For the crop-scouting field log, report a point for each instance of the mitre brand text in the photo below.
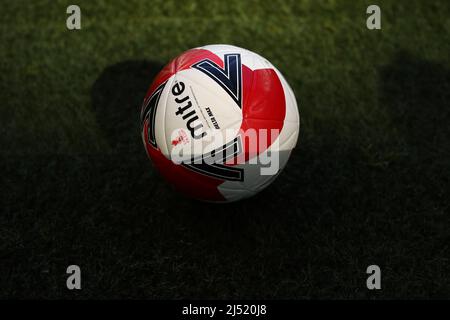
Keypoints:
(187, 112)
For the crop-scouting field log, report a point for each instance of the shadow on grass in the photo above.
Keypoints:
(417, 94)
(312, 233)
(117, 96)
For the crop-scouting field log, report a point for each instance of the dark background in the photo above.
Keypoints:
(367, 184)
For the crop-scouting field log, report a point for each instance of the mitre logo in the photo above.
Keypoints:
(187, 111)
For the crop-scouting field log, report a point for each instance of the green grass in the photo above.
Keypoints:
(367, 184)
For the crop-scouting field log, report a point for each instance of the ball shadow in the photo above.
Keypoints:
(117, 95)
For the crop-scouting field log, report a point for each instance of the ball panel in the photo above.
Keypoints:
(182, 62)
(254, 181)
(212, 109)
(264, 108)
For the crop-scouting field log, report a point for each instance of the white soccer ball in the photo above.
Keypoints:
(220, 122)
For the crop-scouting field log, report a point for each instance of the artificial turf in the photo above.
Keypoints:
(367, 184)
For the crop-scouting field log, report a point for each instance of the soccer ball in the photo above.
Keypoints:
(219, 123)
